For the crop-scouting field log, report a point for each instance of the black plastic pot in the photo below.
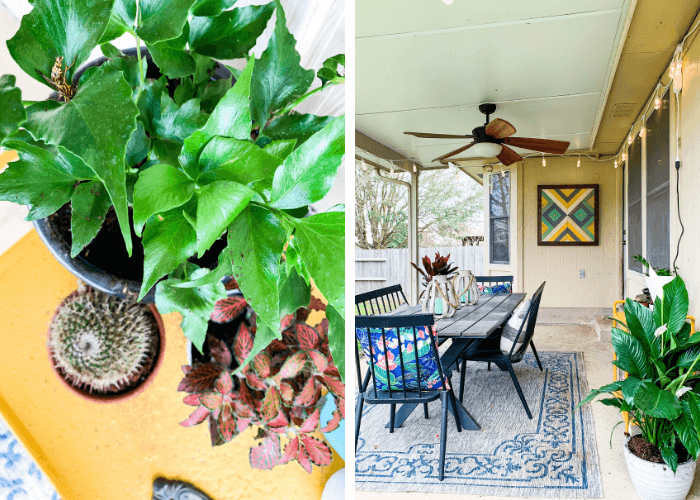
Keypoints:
(60, 249)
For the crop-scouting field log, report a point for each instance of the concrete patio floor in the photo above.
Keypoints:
(559, 336)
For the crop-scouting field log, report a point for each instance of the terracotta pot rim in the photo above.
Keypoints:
(131, 393)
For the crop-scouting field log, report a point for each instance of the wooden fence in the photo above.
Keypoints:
(379, 268)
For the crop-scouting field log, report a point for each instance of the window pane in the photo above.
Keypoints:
(658, 193)
(500, 253)
(500, 195)
(634, 203)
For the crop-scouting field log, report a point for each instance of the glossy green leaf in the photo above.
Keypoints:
(278, 77)
(320, 240)
(640, 323)
(160, 19)
(670, 457)
(211, 93)
(41, 178)
(693, 401)
(255, 242)
(281, 149)
(211, 7)
(606, 389)
(336, 338)
(308, 173)
(296, 126)
(230, 118)
(195, 304)
(219, 203)
(630, 354)
(654, 402)
(225, 158)
(231, 34)
(12, 113)
(263, 337)
(223, 269)
(331, 69)
(109, 50)
(56, 28)
(177, 124)
(675, 304)
(138, 146)
(90, 203)
(171, 56)
(629, 388)
(159, 189)
(95, 129)
(685, 428)
(294, 291)
(294, 261)
(168, 240)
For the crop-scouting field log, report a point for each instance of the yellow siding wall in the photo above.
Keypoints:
(559, 266)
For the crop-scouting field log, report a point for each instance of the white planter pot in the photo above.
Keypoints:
(657, 481)
(439, 289)
(335, 487)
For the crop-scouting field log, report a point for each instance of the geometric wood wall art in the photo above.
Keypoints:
(568, 215)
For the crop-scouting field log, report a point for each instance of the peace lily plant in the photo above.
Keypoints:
(194, 160)
(662, 359)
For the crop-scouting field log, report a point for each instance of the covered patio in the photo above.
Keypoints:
(618, 82)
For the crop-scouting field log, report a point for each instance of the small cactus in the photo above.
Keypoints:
(100, 343)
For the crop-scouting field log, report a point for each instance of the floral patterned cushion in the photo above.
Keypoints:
(504, 288)
(429, 372)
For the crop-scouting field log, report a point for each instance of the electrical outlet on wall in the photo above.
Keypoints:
(582, 274)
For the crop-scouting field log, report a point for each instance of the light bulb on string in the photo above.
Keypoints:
(629, 139)
(672, 69)
(447, 2)
(415, 169)
(624, 156)
(642, 131)
(615, 162)
(544, 162)
(657, 103)
(364, 164)
(578, 163)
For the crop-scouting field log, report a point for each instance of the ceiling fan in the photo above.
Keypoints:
(493, 139)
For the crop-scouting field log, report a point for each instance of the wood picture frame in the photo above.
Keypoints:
(568, 215)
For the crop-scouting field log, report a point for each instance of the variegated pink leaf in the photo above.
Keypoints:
(307, 337)
(318, 451)
(279, 423)
(211, 400)
(216, 439)
(227, 425)
(186, 369)
(200, 378)
(311, 422)
(228, 309)
(332, 423)
(319, 360)
(243, 344)
(287, 392)
(261, 364)
(270, 404)
(303, 459)
(287, 321)
(243, 424)
(220, 351)
(255, 382)
(293, 365)
(340, 404)
(196, 417)
(265, 455)
(290, 451)
(335, 385)
(306, 396)
(224, 384)
(191, 400)
(242, 410)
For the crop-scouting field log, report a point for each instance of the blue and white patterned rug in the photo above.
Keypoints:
(552, 455)
(20, 477)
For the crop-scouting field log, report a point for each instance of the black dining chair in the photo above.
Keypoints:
(489, 349)
(494, 280)
(407, 343)
(380, 301)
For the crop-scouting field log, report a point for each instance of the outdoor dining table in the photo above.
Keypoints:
(469, 324)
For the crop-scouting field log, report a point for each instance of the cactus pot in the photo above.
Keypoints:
(104, 263)
(657, 481)
(146, 378)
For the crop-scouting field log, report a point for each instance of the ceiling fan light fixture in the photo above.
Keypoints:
(486, 149)
(447, 2)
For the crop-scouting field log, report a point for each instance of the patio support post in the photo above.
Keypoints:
(413, 243)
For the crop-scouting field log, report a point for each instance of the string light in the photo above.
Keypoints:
(642, 131)
(447, 2)
(672, 69)
(544, 162)
(503, 172)
(415, 169)
(615, 162)
(364, 165)
(629, 139)
(624, 156)
(578, 163)
(657, 103)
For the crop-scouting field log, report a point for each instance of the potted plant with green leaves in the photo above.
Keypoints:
(161, 171)
(661, 393)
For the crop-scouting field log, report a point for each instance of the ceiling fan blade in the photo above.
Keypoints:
(541, 145)
(456, 151)
(499, 129)
(439, 136)
(508, 156)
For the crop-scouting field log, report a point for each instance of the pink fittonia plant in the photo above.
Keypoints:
(279, 391)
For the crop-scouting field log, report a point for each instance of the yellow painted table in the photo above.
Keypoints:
(114, 451)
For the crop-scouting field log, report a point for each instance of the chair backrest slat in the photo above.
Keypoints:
(379, 301)
(530, 320)
(403, 371)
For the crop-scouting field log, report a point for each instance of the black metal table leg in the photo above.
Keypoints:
(467, 421)
(402, 414)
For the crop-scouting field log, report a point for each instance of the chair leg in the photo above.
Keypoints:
(425, 410)
(462, 377)
(454, 405)
(534, 351)
(392, 417)
(358, 418)
(443, 434)
(489, 367)
(520, 391)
